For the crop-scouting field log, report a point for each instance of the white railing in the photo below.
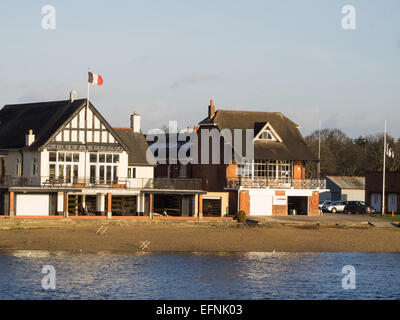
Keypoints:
(264, 182)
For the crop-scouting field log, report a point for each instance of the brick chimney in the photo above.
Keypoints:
(29, 138)
(211, 109)
(135, 122)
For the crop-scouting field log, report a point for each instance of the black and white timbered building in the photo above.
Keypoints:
(63, 157)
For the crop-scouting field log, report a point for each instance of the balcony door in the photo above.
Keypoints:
(68, 173)
(92, 174)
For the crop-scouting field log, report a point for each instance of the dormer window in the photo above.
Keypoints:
(266, 133)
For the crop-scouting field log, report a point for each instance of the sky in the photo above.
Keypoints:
(167, 59)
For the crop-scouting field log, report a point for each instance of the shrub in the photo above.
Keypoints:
(240, 216)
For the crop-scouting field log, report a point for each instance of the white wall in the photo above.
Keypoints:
(32, 204)
(353, 195)
(144, 171)
(261, 205)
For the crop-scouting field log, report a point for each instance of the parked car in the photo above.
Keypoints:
(335, 206)
(323, 203)
(358, 207)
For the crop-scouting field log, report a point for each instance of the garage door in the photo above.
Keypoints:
(392, 203)
(32, 205)
(260, 205)
(376, 201)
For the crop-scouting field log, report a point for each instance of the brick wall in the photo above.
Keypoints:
(245, 201)
(231, 170)
(313, 202)
(279, 210)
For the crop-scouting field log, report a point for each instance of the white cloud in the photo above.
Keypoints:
(195, 78)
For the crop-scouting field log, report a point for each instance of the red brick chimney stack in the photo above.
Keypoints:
(211, 109)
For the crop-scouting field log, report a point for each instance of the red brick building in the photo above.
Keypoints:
(274, 182)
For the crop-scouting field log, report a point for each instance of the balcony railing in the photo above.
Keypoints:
(264, 182)
(177, 184)
(78, 182)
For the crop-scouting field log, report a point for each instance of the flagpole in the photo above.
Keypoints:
(88, 86)
(384, 170)
(319, 150)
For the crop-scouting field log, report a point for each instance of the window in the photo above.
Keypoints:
(18, 169)
(52, 156)
(131, 172)
(92, 174)
(52, 171)
(267, 135)
(104, 168)
(61, 171)
(61, 156)
(274, 170)
(63, 165)
(75, 172)
(101, 175)
(34, 167)
(93, 157)
(115, 175)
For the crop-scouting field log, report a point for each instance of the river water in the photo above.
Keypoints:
(200, 276)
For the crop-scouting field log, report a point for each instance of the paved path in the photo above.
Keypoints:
(327, 218)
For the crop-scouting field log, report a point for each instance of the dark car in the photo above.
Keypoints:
(358, 207)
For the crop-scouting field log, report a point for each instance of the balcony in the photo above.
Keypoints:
(79, 183)
(177, 184)
(264, 182)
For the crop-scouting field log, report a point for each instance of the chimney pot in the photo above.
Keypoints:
(135, 122)
(29, 138)
(73, 95)
(211, 109)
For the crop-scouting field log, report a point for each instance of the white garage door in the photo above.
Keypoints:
(32, 205)
(260, 205)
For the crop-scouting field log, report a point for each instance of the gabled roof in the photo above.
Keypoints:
(137, 146)
(44, 118)
(292, 147)
(347, 182)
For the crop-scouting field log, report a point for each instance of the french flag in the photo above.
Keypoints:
(95, 79)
